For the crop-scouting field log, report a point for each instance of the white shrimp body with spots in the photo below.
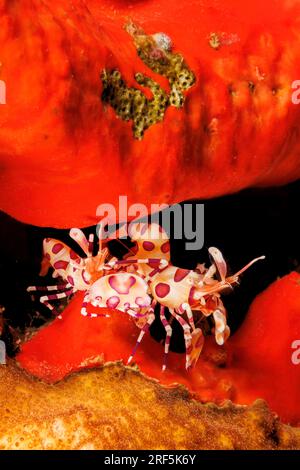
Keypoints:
(151, 242)
(66, 264)
(173, 286)
(123, 291)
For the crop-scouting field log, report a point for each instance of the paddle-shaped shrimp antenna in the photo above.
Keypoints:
(219, 262)
(79, 237)
(234, 277)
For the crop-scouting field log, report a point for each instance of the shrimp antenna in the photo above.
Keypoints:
(248, 266)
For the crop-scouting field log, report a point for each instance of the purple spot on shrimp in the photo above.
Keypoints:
(113, 301)
(60, 264)
(57, 248)
(192, 301)
(73, 255)
(84, 277)
(165, 248)
(162, 289)
(180, 274)
(121, 284)
(148, 246)
(70, 280)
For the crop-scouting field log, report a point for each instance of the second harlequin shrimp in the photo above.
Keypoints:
(182, 291)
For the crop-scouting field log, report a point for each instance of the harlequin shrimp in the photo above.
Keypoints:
(136, 283)
(182, 291)
(126, 288)
(77, 273)
(126, 292)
